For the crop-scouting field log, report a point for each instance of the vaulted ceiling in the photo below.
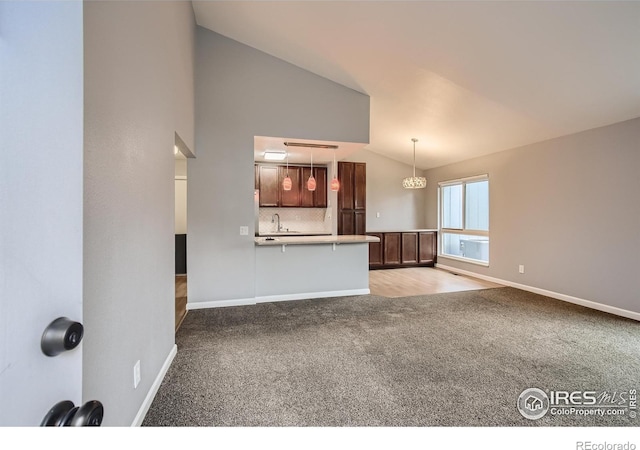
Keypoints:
(464, 78)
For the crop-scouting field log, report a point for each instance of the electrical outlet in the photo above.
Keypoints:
(244, 231)
(377, 214)
(136, 374)
(521, 268)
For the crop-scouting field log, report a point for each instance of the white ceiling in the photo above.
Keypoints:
(465, 78)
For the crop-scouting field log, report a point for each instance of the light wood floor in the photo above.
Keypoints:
(391, 283)
(406, 282)
(181, 299)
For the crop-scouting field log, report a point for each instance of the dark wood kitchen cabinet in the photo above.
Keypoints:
(345, 194)
(317, 198)
(376, 253)
(268, 180)
(269, 185)
(320, 194)
(427, 246)
(346, 222)
(403, 249)
(392, 249)
(409, 248)
(352, 222)
(359, 186)
(290, 198)
(360, 219)
(352, 215)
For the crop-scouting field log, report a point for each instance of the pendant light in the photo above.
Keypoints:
(286, 183)
(311, 182)
(335, 184)
(414, 182)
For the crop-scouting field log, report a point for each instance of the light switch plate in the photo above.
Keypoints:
(244, 231)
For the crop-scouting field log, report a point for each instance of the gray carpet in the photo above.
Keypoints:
(455, 359)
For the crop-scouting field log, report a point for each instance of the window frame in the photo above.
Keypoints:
(461, 231)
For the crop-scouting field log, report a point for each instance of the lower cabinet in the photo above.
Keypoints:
(392, 249)
(427, 248)
(409, 248)
(376, 252)
(352, 222)
(403, 249)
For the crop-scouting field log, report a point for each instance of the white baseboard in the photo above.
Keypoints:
(308, 295)
(221, 303)
(275, 298)
(567, 298)
(144, 408)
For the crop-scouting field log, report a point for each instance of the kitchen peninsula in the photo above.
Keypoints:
(299, 267)
(310, 240)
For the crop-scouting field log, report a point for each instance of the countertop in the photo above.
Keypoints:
(305, 240)
(293, 233)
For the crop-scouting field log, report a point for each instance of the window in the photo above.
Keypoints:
(464, 219)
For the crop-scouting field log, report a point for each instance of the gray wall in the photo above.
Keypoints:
(138, 93)
(399, 208)
(311, 271)
(567, 209)
(242, 93)
(40, 203)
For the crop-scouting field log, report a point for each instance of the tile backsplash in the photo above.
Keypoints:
(303, 220)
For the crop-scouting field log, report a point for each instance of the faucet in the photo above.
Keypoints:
(273, 218)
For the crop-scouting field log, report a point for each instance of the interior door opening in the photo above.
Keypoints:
(181, 154)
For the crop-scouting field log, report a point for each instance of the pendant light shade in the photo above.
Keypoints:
(414, 182)
(286, 183)
(311, 182)
(335, 184)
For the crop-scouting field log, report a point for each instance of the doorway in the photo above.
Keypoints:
(181, 154)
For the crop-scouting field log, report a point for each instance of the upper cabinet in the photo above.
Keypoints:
(317, 198)
(269, 185)
(269, 179)
(290, 198)
(359, 186)
(352, 197)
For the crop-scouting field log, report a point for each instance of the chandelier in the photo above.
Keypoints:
(414, 182)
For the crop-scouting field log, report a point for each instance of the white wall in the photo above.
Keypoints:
(242, 93)
(399, 208)
(138, 94)
(567, 209)
(40, 203)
